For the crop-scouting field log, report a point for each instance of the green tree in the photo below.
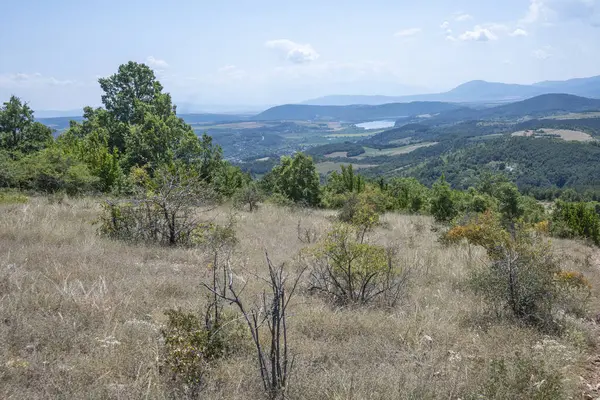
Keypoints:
(443, 205)
(295, 178)
(133, 83)
(408, 194)
(510, 206)
(345, 182)
(18, 129)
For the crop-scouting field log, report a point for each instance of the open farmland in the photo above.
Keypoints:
(565, 134)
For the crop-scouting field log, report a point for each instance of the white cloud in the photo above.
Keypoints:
(478, 34)
(232, 72)
(293, 52)
(463, 17)
(408, 32)
(556, 11)
(445, 25)
(535, 11)
(21, 80)
(157, 62)
(451, 38)
(543, 53)
(519, 32)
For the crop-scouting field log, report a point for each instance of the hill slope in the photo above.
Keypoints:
(353, 113)
(543, 105)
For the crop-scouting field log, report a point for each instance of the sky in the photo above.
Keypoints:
(243, 53)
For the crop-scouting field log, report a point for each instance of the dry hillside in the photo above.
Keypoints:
(81, 316)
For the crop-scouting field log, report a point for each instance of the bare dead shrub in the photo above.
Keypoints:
(165, 211)
(274, 362)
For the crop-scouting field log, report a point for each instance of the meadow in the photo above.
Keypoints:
(81, 315)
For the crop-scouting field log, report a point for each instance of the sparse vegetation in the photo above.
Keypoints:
(366, 301)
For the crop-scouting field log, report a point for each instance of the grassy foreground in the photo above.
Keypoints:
(81, 316)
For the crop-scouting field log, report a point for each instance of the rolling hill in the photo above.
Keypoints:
(538, 106)
(478, 91)
(353, 113)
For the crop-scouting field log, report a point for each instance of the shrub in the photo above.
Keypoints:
(280, 200)
(250, 195)
(576, 220)
(443, 205)
(349, 271)
(191, 345)
(520, 378)
(165, 211)
(523, 275)
(13, 198)
(267, 324)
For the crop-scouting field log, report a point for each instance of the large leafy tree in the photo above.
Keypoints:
(443, 203)
(296, 178)
(18, 129)
(138, 127)
(133, 83)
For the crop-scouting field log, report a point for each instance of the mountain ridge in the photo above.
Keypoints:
(476, 91)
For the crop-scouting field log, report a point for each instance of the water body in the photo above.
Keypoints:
(386, 123)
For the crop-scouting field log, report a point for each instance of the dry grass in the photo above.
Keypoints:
(81, 315)
(329, 166)
(565, 134)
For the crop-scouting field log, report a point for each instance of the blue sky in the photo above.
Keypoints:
(266, 52)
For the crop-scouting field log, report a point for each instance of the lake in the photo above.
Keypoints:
(377, 124)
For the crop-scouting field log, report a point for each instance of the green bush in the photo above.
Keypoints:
(523, 274)
(576, 220)
(349, 271)
(12, 198)
(191, 346)
(248, 196)
(520, 378)
(443, 205)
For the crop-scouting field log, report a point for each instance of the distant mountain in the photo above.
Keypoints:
(586, 87)
(210, 118)
(478, 92)
(353, 113)
(58, 113)
(345, 100)
(61, 123)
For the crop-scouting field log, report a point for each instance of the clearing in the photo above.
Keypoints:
(329, 166)
(564, 134)
(393, 151)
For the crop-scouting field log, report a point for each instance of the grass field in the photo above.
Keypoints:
(329, 166)
(352, 135)
(394, 151)
(575, 115)
(81, 316)
(234, 125)
(563, 133)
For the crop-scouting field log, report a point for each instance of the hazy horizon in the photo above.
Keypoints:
(244, 55)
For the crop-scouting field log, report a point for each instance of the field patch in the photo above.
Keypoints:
(337, 154)
(564, 134)
(329, 166)
(394, 151)
(352, 135)
(233, 125)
